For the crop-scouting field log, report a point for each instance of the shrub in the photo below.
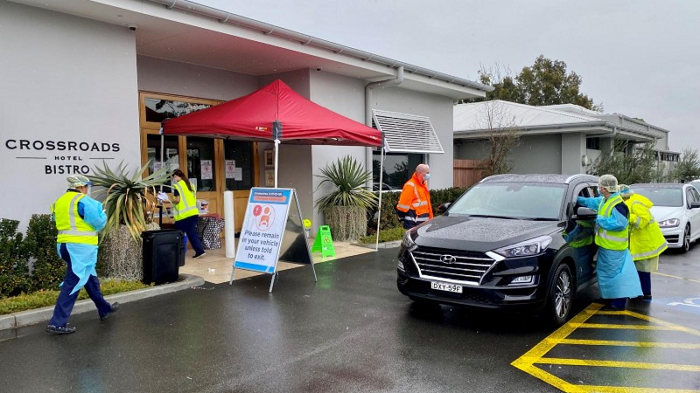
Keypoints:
(14, 273)
(389, 218)
(48, 269)
(345, 207)
(39, 299)
(388, 235)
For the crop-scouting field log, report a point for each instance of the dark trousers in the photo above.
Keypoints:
(618, 303)
(189, 226)
(645, 280)
(66, 301)
(408, 224)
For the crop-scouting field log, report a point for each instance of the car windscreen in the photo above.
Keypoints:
(659, 196)
(512, 200)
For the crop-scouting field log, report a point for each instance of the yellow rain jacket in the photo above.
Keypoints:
(646, 239)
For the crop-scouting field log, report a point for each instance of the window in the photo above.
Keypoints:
(170, 155)
(239, 165)
(512, 200)
(690, 198)
(158, 110)
(398, 168)
(659, 196)
(200, 163)
(593, 143)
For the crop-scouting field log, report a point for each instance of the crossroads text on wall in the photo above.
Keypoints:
(61, 157)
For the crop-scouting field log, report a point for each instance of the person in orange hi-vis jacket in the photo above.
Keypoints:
(414, 206)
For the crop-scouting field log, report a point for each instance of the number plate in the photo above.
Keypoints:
(441, 286)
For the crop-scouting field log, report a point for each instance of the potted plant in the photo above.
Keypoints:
(345, 207)
(129, 202)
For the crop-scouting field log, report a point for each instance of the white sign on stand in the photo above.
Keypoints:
(267, 229)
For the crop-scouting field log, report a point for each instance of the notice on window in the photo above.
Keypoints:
(238, 174)
(207, 169)
(157, 165)
(263, 229)
(230, 169)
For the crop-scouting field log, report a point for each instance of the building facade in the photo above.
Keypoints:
(87, 83)
(557, 139)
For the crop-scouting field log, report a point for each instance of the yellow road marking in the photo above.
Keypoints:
(626, 389)
(616, 326)
(664, 323)
(643, 344)
(526, 364)
(534, 356)
(676, 277)
(619, 364)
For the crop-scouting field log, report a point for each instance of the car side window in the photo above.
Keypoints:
(594, 191)
(689, 197)
(696, 196)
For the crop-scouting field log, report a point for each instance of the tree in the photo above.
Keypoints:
(629, 163)
(502, 135)
(546, 82)
(688, 168)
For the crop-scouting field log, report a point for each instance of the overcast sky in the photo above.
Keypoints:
(639, 58)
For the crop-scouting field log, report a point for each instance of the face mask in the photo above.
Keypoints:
(427, 176)
(89, 190)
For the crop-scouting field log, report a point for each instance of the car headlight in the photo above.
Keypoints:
(670, 223)
(526, 248)
(408, 242)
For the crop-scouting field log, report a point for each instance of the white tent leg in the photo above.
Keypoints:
(277, 156)
(379, 210)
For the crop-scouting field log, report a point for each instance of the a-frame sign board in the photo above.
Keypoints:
(273, 229)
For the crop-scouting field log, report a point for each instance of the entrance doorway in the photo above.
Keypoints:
(213, 165)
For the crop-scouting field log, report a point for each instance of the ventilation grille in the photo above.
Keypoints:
(404, 133)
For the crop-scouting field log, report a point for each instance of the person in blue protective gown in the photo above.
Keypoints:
(616, 272)
(78, 220)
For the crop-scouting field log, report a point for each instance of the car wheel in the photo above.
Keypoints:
(561, 295)
(686, 239)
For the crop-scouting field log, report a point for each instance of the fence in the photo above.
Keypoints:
(467, 172)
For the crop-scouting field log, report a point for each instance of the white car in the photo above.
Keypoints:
(676, 209)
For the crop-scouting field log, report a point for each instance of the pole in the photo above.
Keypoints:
(162, 148)
(381, 179)
(277, 136)
(277, 152)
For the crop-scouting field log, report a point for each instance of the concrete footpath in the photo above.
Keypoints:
(11, 322)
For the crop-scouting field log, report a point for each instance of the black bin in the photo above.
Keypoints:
(163, 252)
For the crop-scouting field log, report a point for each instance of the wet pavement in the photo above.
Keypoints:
(353, 331)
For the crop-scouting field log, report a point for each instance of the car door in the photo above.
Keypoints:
(693, 214)
(584, 254)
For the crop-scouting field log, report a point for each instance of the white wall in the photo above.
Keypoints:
(345, 96)
(171, 77)
(64, 79)
(534, 154)
(573, 148)
(440, 111)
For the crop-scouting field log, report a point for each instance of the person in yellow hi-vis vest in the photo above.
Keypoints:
(646, 240)
(185, 209)
(615, 269)
(78, 220)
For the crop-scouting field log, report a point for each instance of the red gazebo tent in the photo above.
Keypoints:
(275, 113)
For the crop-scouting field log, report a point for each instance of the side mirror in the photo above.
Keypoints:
(695, 205)
(443, 207)
(584, 213)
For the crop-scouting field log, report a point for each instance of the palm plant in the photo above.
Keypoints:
(349, 179)
(128, 199)
(345, 208)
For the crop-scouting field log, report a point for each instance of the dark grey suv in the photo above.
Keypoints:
(501, 246)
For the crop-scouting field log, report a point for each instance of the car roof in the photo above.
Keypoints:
(540, 178)
(659, 185)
